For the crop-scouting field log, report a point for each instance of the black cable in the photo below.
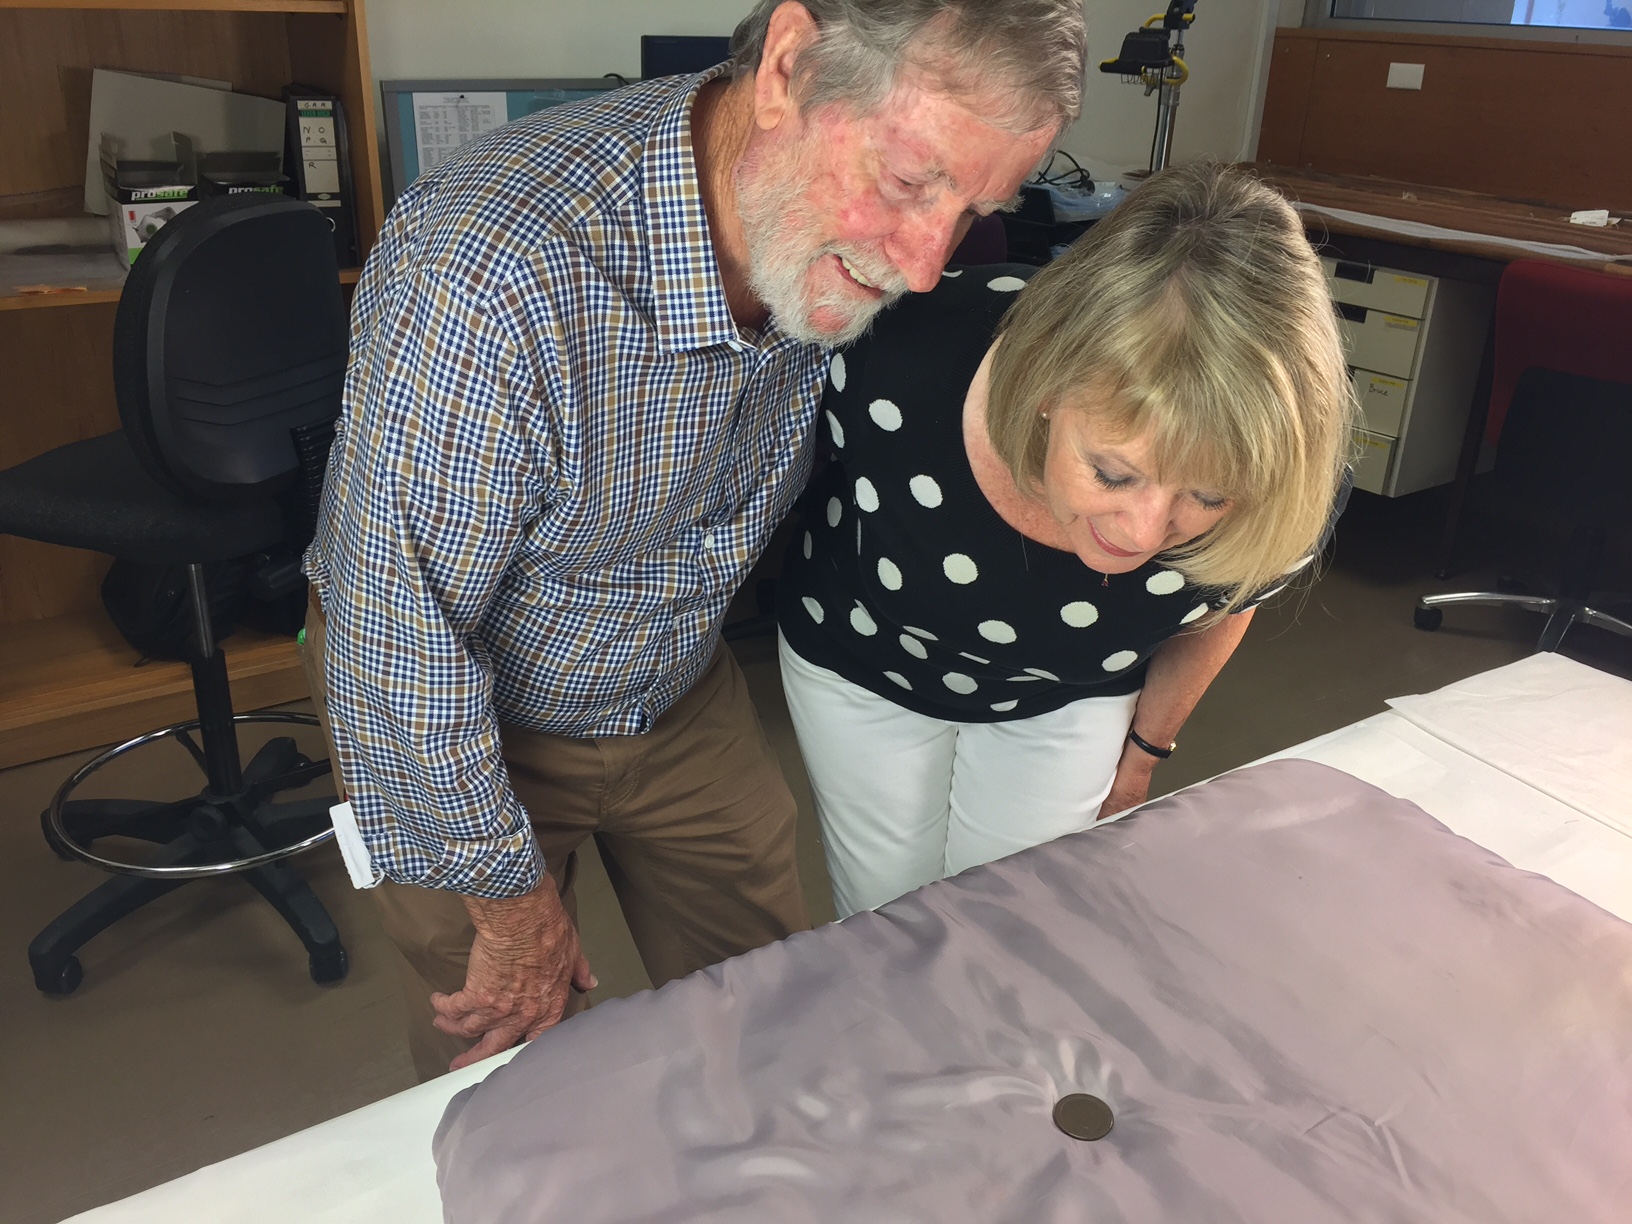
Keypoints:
(1076, 177)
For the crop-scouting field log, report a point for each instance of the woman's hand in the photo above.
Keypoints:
(1131, 785)
(1180, 671)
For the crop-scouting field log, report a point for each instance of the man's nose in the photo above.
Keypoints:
(923, 243)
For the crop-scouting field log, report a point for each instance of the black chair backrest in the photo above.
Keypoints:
(230, 345)
(1565, 454)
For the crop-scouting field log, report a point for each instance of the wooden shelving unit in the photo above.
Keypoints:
(184, 6)
(67, 680)
(72, 682)
(67, 294)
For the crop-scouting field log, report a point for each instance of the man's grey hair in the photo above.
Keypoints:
(1028, 53)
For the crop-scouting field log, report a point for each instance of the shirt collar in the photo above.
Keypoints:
(688, 295)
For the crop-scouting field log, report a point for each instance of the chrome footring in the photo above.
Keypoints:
(200, 871)
(1490, 599)
(1604, 620)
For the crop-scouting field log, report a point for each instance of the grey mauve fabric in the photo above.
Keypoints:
(1304, 1000)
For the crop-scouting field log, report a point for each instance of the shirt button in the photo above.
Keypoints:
(708, 540)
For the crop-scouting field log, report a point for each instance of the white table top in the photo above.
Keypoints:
(1532, 761)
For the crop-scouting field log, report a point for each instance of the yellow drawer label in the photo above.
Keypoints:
(1419, 281)
(1400, 323)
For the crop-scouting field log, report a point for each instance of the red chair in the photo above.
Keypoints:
(1561, 421)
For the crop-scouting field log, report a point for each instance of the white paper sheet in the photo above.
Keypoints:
(1528, 828)
(1552, 723)
(445, 122)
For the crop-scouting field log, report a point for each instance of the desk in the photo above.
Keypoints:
(1303, 1000)
(1486, 227)
(1498, 758)
(1449, 233)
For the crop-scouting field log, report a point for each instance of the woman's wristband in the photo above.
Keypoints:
(1144, 745)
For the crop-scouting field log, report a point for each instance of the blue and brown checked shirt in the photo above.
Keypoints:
(557, 460)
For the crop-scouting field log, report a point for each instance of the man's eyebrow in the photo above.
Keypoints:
(935, 173)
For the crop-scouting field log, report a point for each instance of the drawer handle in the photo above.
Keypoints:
(1354, 314)
(1347, 270)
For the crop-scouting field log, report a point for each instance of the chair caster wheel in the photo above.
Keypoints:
(58, 848)
(329, 965)
(64, 981)
(1427, 618)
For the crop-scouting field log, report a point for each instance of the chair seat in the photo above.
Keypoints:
(96, 495)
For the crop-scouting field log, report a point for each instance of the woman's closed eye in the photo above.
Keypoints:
(1213, 503)
(1110, 480)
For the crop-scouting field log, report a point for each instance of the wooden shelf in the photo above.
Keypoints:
(98, 292)
(36, 301)
(71, 683)
(186, 6)
(67, 681)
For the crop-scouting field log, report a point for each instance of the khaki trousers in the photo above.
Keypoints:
(694, 822)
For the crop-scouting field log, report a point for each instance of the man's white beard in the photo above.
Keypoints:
(780, 234)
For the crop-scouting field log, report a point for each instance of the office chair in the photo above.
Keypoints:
(1560, 416)
(229, 355)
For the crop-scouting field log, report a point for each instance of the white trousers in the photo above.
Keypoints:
(905, 799)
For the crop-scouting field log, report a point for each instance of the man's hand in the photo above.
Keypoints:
(523, 962)
(1131, 786)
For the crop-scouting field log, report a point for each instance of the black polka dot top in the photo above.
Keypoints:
(901, 576)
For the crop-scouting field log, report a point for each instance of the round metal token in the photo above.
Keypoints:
(1083, 1117)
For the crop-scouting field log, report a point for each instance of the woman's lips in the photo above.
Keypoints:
(1110, 548)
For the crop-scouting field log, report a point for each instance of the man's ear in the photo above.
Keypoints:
(791, 30)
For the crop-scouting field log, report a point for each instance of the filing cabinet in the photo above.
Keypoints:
(1378, 341)
(1413, 344)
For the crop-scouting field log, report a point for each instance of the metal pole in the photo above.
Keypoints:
(201, 612)
(1167, 105)
(215, 724)
(1161, 149)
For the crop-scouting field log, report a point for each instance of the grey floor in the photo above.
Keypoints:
(198, 1035)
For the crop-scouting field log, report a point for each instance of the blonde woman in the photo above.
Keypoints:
(1050, 512)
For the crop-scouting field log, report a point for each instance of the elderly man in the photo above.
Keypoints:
(586, 357)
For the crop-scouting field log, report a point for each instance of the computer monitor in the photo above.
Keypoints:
(426, 122)
(680, 54)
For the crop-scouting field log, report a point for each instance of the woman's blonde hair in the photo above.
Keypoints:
(1196, 314)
